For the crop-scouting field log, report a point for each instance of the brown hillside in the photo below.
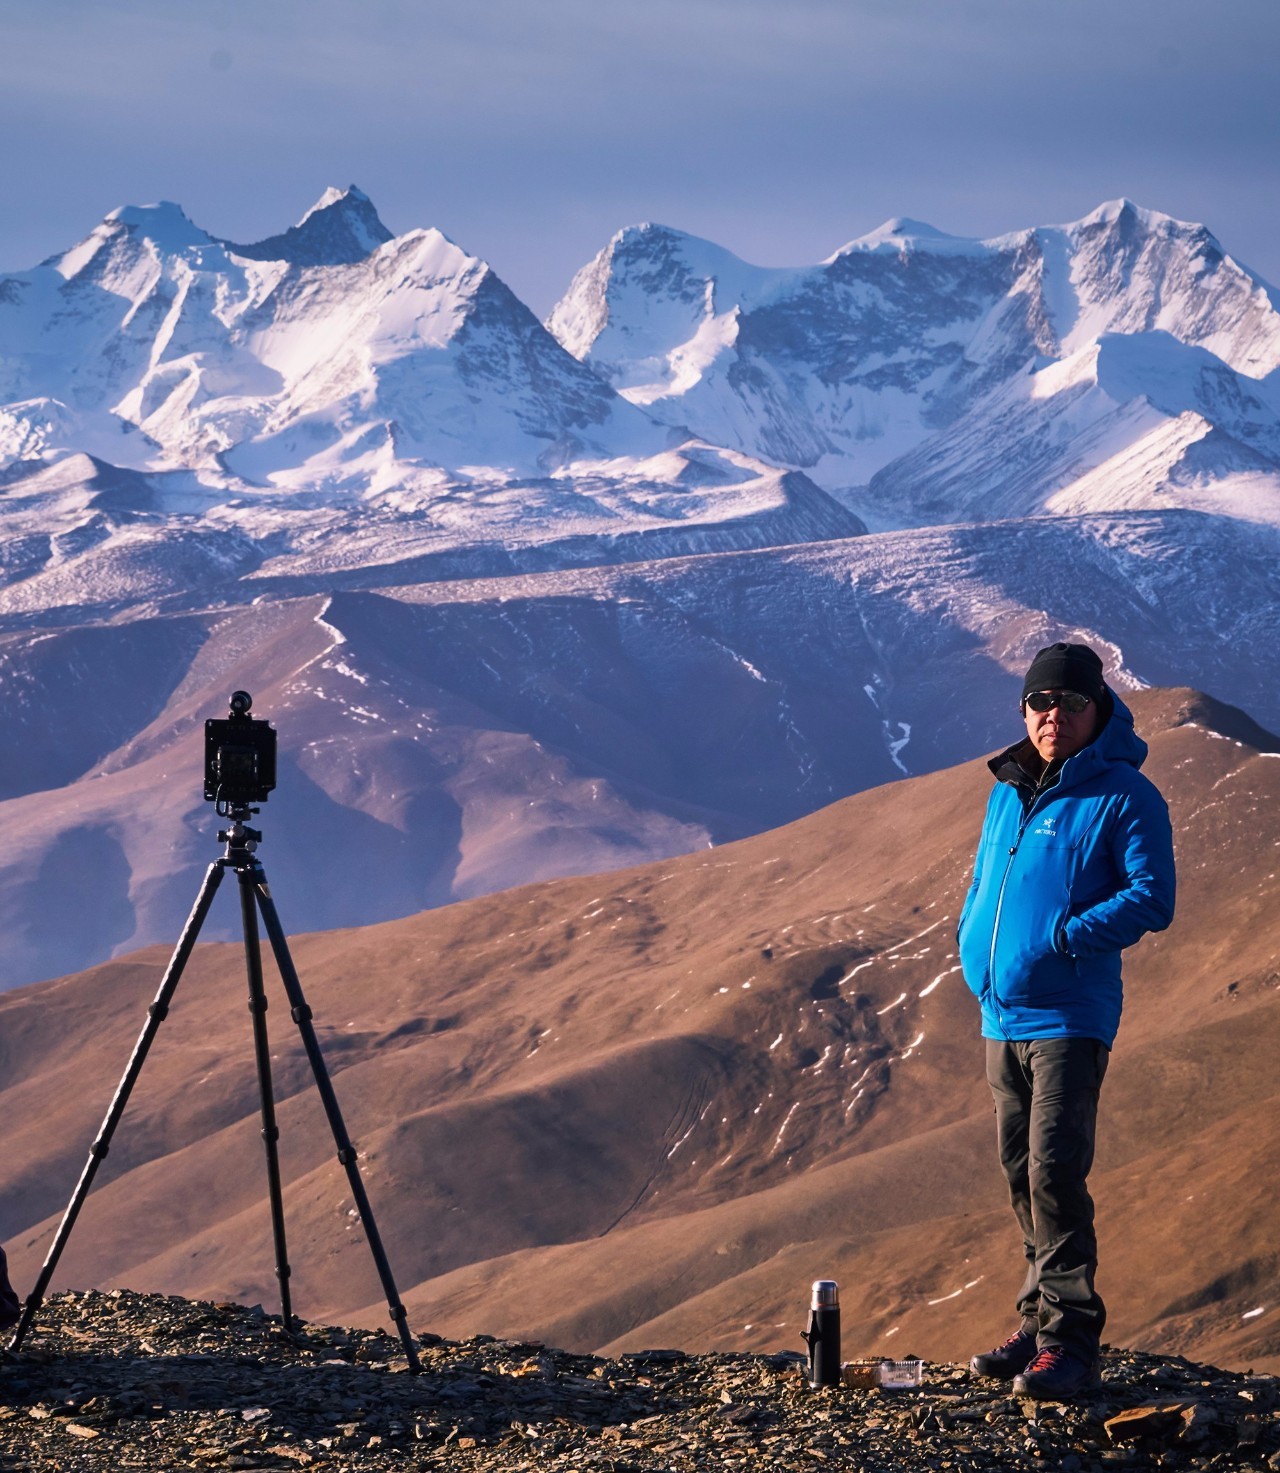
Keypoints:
(648, 1108)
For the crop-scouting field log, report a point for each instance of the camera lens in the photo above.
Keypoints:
(241, 701)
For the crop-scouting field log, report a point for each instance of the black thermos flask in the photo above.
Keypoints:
(823, 1334)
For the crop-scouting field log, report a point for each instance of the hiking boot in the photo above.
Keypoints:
(1005, 1361)
(1057, 1375)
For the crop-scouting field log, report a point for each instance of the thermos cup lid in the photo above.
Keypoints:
(826, 1294)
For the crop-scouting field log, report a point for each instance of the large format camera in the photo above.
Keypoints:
(239, 757)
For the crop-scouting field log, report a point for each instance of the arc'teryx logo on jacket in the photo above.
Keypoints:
(1062, 886)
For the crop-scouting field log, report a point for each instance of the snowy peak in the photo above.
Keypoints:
(165, 224)
(341, 228)
(1130, 421)
(1119, 218)
(352, 197)
(1129, 270)
(656, 306)
(902, 233)
(648, 248)
(429, 255)
(650, 279)
(1127, 215)
(1172, 375)
(413, 360)
(905, 225)
(130, 234)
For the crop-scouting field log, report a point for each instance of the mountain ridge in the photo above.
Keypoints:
(818, 367)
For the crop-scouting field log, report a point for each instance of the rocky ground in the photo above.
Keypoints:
(108, 1381)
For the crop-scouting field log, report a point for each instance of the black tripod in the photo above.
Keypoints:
(241, 842)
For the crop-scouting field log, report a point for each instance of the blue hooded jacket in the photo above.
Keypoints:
(1062, 885)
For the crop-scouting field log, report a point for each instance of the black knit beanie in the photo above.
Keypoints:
(1066, 667)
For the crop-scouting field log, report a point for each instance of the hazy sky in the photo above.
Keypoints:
(530, 130)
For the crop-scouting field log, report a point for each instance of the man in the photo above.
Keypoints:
(1075, 863)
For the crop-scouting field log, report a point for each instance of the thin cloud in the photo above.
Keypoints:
(530, 132)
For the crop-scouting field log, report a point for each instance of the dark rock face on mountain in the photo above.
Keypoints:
(340, 229)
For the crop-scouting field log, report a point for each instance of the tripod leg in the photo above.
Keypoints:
(262, 1052)
(155, 1016)
(301, 1013)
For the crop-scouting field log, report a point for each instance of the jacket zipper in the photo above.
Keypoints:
(995, 924)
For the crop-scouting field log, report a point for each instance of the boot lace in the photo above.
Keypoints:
(1047, 1360)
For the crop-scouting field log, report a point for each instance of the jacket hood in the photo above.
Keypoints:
(1116, 742)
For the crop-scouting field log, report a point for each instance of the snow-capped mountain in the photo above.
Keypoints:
(525, 604)
(907, 340)
(176, 410)
(1124, 360)
(330, 355)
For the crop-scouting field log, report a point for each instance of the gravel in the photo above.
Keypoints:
(109, 1381)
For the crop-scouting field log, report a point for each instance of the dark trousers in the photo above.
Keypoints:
(1046, 1098)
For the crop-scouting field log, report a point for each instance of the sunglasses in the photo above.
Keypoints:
(1046, 700)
